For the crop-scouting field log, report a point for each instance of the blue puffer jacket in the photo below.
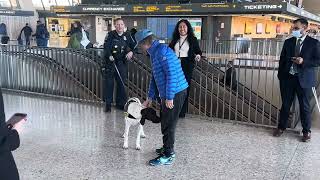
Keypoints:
(167, 76)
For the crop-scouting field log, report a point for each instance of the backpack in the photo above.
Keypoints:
(5, 39)
(74, 42)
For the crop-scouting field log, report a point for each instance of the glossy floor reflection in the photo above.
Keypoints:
(66, 140)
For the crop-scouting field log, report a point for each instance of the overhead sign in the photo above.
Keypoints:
(189, 9)
(178, 8)
(103, 9)
(262, 7)
(146, 9)
(9, 12)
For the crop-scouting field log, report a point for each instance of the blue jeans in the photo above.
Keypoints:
(42, 42)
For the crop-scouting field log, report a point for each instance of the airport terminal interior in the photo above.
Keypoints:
(60, 66)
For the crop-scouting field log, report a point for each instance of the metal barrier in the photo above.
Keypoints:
(240, 87)
(59, 72)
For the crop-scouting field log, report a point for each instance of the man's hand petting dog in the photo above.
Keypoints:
(147, 103)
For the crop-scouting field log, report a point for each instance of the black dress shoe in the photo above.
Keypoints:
(306, 137)
(107, 109)
(278, 132)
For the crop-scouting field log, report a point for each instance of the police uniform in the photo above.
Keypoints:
(118, 47)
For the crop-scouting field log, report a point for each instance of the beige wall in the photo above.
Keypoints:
(238, 27)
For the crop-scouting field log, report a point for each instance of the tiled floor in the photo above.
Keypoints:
(65, 140)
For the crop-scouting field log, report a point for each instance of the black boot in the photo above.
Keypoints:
(107, 109)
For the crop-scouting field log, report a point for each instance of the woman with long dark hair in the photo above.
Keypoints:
(186, 47)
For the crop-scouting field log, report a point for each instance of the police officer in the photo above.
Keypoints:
(118, 49)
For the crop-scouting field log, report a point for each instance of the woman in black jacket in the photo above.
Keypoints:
(186, 47)
(9, 141)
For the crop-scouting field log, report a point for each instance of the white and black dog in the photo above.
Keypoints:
(136, 115)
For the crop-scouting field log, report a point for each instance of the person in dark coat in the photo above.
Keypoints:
(42, 35)
(117, 50)
(9, 141)
(297, 76)
(3, 29)
(27, 30)
(4, 38)
(186, 46)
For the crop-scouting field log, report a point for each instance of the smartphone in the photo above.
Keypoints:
(293, 58)
(17, 117)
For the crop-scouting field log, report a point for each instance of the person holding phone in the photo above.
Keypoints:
(299, 57)
(9, 141)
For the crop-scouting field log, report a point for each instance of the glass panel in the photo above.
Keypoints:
(48, 3)
(5, 3)
(37, 4)
(14, 3)
(63, 2)
(75, 2)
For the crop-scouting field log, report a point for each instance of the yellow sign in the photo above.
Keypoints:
(215, 5)
(56, 9)
(145, 9)
(176, 9)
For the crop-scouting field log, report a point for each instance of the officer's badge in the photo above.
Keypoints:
(124, 38)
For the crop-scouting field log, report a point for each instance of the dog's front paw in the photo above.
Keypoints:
(138, 147)
(125, 146)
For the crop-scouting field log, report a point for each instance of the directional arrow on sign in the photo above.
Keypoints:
(280, 6)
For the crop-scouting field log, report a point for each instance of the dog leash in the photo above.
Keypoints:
(118, 72)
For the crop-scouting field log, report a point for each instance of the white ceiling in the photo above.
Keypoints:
(312, 6)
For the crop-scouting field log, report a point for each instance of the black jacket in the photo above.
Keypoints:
(310, 53)
(118, 46)
(9, 141)
(194, 47)
(27, 31)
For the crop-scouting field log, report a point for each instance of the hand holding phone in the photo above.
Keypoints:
(16, 121)
(297, 60)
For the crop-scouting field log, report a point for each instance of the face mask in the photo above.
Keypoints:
(296, 33)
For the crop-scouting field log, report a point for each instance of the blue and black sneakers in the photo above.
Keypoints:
(160, 152)
(162, 160)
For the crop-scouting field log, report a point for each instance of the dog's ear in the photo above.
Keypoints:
(143, 112)
(142, 121)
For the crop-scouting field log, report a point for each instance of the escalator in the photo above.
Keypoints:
(29, 71)
(241, 104)
(209, 97)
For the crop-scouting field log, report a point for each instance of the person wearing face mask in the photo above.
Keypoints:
(117, 50)
(186, 46)
(299, 57)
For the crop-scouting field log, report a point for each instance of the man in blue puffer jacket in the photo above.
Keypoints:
(169, 83)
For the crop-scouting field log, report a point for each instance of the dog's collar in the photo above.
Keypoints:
(129, 115)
